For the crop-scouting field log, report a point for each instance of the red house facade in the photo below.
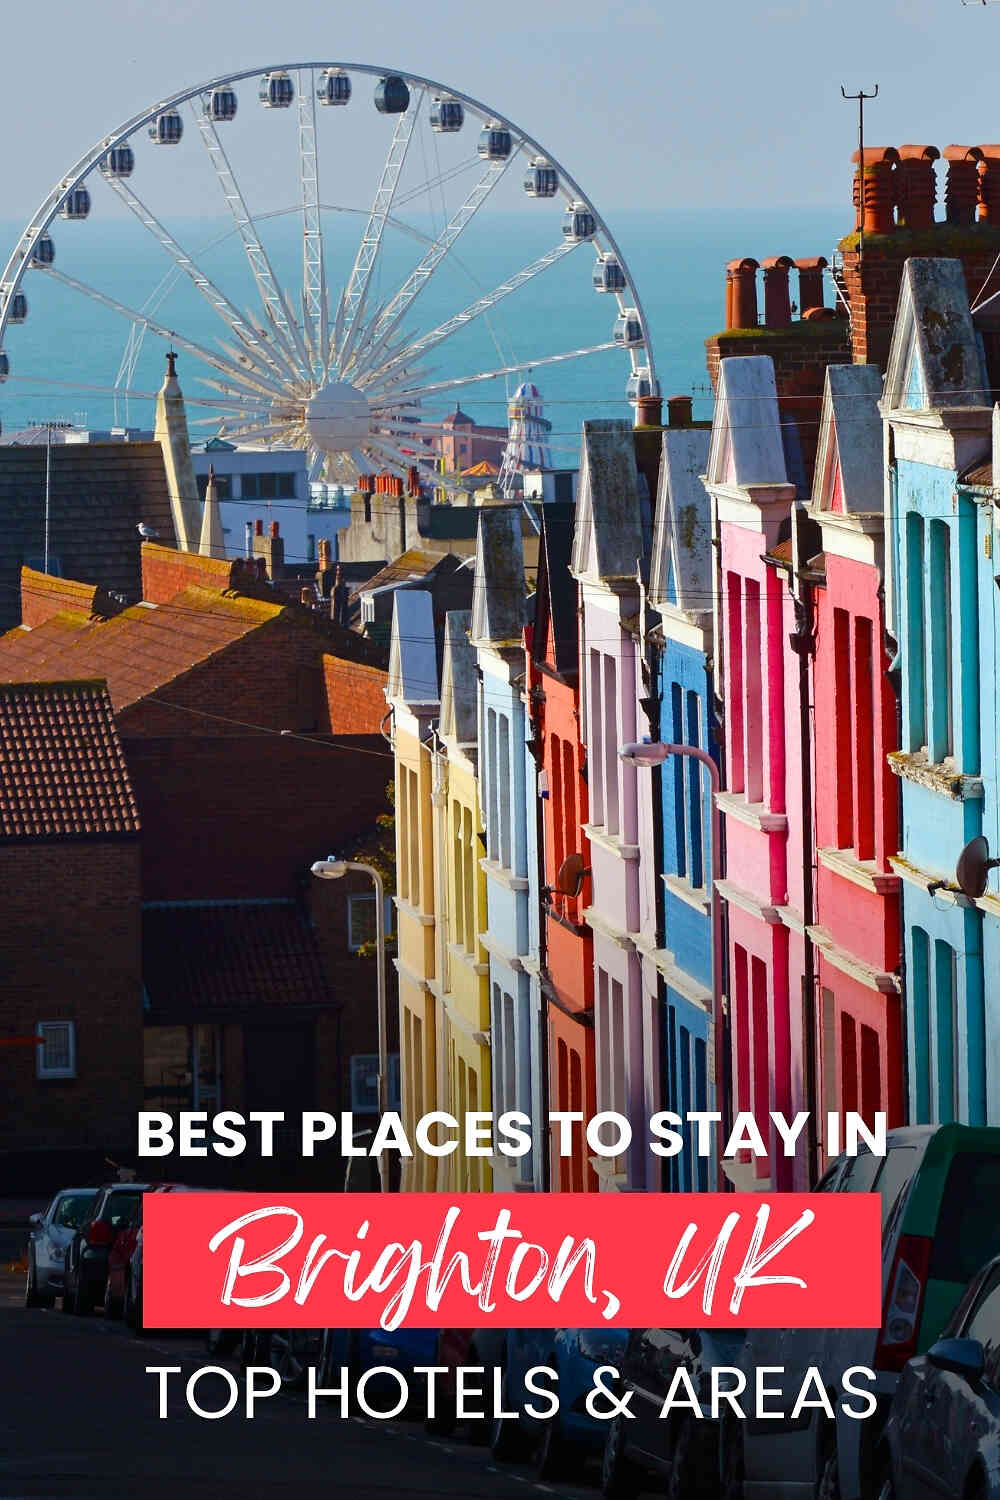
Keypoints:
(567, 967)
(858, 1045)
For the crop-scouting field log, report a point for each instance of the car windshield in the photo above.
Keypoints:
(72, 1210)
(968, 1225)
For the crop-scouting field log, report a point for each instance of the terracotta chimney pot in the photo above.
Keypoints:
(777, 299)
(961, 192)
(741, 293)
(679, 411)
(810, 269)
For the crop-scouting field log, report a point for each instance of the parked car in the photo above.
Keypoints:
(120, 1258)
(933, 1182)
(679, 1453)
(943, 1434)
(114, 1207)
(461, 1348)
(560, 1443)
(365, 1349)
(48, 1236)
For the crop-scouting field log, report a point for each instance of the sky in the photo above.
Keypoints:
(700, 106)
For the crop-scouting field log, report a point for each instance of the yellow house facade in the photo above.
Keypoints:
(461, 982)
(412, 694)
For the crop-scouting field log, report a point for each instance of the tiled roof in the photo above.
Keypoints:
(556, 589)
(138, 650)
(230, 955)
(98, 494)
(62, 771)
(412, 564)
(981, 474)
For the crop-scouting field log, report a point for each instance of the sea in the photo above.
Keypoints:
(66, 358)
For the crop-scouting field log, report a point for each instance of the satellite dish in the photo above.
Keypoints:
(974, 866)
(572, 873)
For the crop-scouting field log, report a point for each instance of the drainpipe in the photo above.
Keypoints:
(536, 751)
(803, 643)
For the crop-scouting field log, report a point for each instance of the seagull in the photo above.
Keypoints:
(146, 532)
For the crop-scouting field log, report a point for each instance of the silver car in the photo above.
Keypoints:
(48, 1236)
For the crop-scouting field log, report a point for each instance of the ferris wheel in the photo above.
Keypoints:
(342, 370)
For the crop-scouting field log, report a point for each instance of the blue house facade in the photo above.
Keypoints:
(942, 613)
(510, 862)
(680, 589)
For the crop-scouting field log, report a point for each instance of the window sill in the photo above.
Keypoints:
(493, 870)
(941, 778)
(612, 842)
(753, 814)
(695, 896)
(861, 872)
(403, 906)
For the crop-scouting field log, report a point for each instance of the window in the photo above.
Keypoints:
(754, 676)
(920, 1027)
(364, 1082)
(504, 1051)
(266, 486)
(492, 776)
(865, 748)
(402, 833)
(55, 1055)
(413, 813)
(361, 920)
(596, 758)
(844, 722)
(223, 486)
(941, 727)
(310, 547)
(611, 764)
(504, 773)
(916, 716)
(735, 665)
(946, 1028)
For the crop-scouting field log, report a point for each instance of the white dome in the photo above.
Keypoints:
(337, 417)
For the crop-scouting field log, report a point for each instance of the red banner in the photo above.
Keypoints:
(539, 1260)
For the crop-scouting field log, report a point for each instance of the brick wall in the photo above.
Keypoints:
(70, 950)
(873, 286)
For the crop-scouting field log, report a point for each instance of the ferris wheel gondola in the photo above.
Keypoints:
(346, 378)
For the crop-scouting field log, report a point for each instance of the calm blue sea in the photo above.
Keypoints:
(67, 355)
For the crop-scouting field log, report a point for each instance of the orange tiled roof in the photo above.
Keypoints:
(62, 771)
(138, 650)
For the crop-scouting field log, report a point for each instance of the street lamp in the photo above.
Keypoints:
(334, 869)
(653, 753)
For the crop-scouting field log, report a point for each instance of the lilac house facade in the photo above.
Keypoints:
(610, 556)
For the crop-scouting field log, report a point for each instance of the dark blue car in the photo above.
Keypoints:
(943, 1434)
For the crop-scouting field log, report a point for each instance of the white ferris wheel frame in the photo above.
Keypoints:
(302, 351)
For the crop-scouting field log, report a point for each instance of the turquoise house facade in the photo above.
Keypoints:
(941, 599)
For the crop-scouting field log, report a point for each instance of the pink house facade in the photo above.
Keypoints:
(758, 679)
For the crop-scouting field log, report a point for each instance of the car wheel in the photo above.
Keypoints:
(221, 1341)
(287, 1351)
(691, 1468)
(506, 1438)
(731, 1460)
(113, 1306)
(82, 1305)
(553, 1454)
(829, 1481)
(31, 1298)
(620, 1479)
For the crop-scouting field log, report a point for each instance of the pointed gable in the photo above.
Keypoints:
(934, 360)
(498, 587)
(556, 635)
(746, 443)
(682, 567)
(849, 460)
(608, 536)
(413, 673)
(458, 679)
